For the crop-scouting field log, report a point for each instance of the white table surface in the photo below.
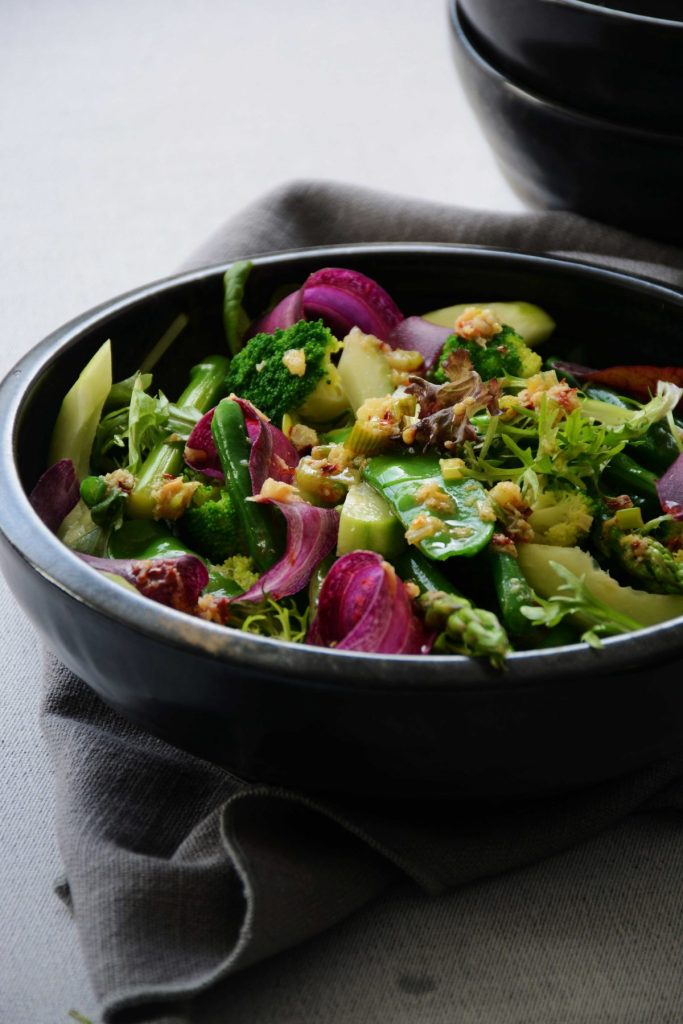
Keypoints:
(128, 132)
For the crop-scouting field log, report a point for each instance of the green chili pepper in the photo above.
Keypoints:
(145, 538)
(461, 524)
(230, 436)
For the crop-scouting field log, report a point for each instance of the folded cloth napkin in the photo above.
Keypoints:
(178, 873)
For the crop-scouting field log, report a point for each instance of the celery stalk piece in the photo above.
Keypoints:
(206, 385)
(74, 432)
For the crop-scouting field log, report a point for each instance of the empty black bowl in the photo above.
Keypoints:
(340, 721)
(556, 157)
(624, 64)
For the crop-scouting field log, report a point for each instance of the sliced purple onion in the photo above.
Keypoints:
(287, 312)
(345, 298)
(56, 494)
(175, 582)
(272, 453)
(364, 606)
(311, 535)
(340, 297)
(670, 489)
(201, 452)
(419, 335)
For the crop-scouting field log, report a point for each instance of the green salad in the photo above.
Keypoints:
(342, 475)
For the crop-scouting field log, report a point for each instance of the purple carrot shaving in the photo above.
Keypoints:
(670, 489)
(311, 535)
(56, 493)
(419, 335)
(175, 582)
(364, 606)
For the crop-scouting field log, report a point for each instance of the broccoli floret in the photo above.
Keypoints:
(211, 525)
(561, 517)
(506, 354)
(290, 371)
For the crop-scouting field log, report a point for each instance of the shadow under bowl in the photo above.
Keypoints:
(621, 65)
(558, 158)
(323, 720)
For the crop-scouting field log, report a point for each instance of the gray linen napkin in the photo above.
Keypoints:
(179, 873)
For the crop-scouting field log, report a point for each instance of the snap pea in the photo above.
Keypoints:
(512, 590)
(412, 565)
(230, 436)
(455, 513)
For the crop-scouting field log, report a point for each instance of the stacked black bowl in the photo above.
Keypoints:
(582, 103)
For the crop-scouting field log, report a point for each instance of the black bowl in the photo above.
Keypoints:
(556, 157)
(339, 721)
(623, 65)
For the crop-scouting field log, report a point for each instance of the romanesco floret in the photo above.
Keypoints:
(504, 354)
(290, 371)
(240, 569)
(211, 525)
(561, 517)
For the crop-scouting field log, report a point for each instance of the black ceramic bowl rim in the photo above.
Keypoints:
(610, 12)
(46, 555)
(585, 121)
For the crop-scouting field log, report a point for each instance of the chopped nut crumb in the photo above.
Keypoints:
(431, 496)
(276, 490)
(478, 325)
(123, 479)
(295, 361)
(423, 526)
(302, 436)
(173, 497)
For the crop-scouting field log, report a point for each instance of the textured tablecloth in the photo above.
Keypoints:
(178, 874)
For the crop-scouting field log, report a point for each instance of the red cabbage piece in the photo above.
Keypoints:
(364, 606)
(200, 451)
(421, 336)
(670, 489)
(311, 535)
(272, 453)
(175, 582)
(56, 493)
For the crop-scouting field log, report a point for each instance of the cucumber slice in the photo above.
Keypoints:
(529, 321)
(363, 369)
(367, 523)
(648, 609)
